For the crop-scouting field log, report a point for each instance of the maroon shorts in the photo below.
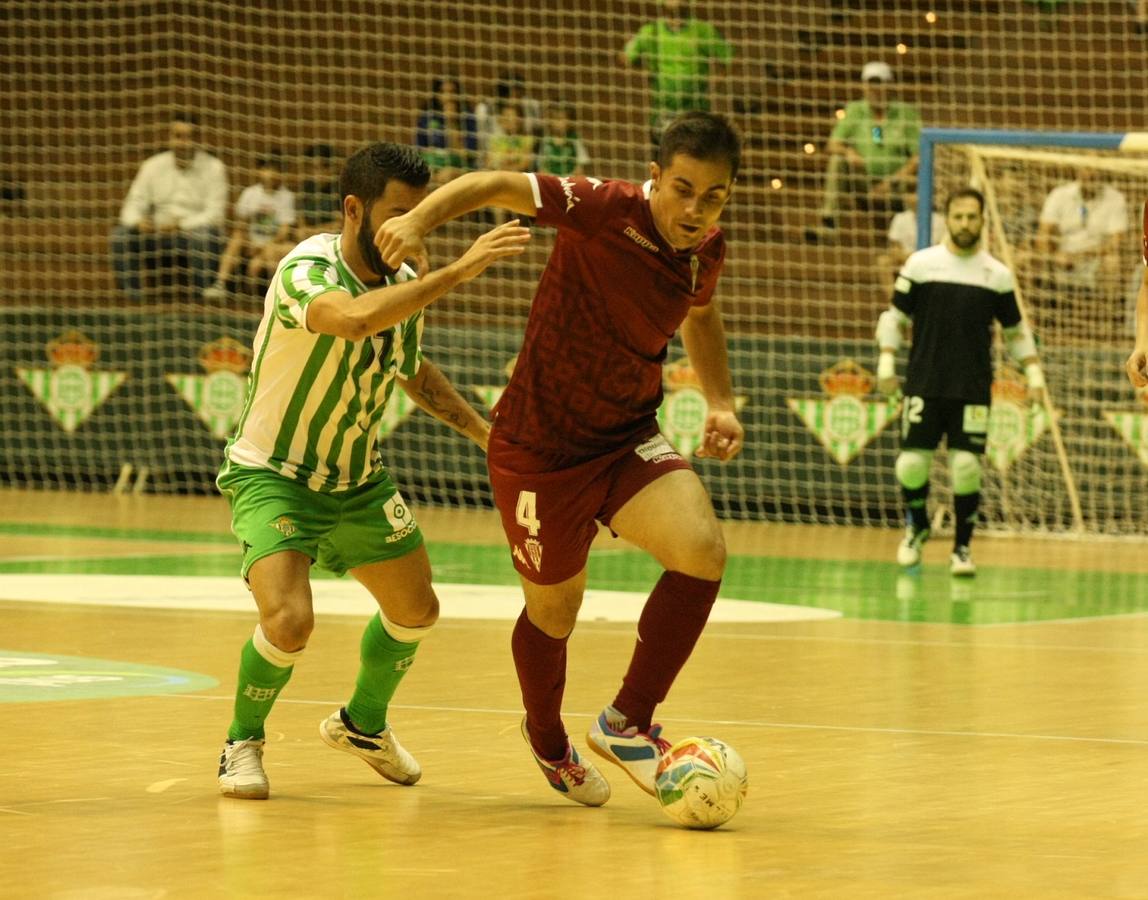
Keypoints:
(549, 516)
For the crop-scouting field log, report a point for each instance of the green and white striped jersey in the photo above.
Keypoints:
(314, 401)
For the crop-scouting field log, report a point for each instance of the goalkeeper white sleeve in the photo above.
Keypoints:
(889, 325)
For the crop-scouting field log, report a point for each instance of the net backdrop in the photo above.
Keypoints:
(88, 90)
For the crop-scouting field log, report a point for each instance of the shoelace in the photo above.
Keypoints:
(654, 734)
(245, 760)
(576, 772)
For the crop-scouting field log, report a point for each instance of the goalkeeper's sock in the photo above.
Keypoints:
(965, 508)
(917, 506)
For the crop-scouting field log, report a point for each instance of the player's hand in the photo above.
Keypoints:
(400, 239)
(1137, 367)
(508, 239)
(723, 436)
(890, 387)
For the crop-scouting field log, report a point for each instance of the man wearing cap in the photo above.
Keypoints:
(872, 150)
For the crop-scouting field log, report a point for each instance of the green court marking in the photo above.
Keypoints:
(34, 677)
(124, 534)
(864, 590)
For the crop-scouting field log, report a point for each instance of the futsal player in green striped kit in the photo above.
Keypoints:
(303, 472)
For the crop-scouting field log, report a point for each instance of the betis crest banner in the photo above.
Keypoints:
(1015, 424)
(71, 390)
(842, 420)
(217, 396)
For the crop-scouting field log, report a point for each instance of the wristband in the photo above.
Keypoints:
(886, 365)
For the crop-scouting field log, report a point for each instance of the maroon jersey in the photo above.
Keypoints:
(589, 376)
(1144, 243)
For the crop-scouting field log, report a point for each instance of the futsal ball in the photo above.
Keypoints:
(701, 782)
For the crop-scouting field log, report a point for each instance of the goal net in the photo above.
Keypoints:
(106, 382)
(1063, 212)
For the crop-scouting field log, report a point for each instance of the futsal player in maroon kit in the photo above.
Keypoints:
(1137, 364)
(574, 438)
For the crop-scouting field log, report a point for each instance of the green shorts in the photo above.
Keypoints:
(338, 531)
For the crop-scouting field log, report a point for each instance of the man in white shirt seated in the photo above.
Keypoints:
(176, 206)
(1082, 232)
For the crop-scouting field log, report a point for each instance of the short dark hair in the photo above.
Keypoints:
(368, 170)
(181, 115)
(702, 135)
(320, 151)
(969, 192)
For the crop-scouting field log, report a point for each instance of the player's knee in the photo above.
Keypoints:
(289, 629)
(704, 557)
(965, 471)
(912, 468)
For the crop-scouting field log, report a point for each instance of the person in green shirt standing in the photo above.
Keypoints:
(872, 151)
(677, 51)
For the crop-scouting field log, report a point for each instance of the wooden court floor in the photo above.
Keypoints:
(887, 758)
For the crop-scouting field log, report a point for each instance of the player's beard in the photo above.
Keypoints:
(372, 258)
(966, 239)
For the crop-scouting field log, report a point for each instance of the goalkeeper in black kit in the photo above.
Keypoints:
(950, 294)
(1137, 364)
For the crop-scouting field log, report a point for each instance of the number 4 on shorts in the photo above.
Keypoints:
(526, 512)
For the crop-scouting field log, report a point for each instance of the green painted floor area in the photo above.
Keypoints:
(865, 590)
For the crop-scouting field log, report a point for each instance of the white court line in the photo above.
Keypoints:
(733, 723)
(348, 597)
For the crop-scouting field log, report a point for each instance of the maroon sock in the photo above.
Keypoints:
(541, 664)
(668, 628)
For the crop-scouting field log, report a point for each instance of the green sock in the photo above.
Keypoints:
(260, 681)
(384, 662)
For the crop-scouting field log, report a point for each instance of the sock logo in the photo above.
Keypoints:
(403, 664)
(258, 694)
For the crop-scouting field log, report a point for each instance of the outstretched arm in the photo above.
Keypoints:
(704, 339)
(401, 238)
(434, 394)
(335, 313)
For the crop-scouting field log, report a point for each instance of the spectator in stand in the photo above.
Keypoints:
(510, 148)
(1083, 224)
(447, 134)
(677, 51)
(265, 214)
(872, 151)
(903, 237)
(176, 206)
(510, 88)
(561, 152)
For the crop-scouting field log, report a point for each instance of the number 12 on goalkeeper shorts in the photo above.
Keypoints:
(911, 414)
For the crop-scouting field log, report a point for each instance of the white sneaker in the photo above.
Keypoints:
(241, 770)
(634, 752)
(961, 563)
(570, 776)
(382, 752)
(909, 550)
(217, 291)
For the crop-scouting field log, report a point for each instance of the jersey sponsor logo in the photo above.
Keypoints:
(401, 533)
(216, 397)
(641, 240)
(71, 390)
(568, 191)
(842, 420)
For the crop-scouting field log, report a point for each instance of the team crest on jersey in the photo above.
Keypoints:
(216, 396)
(842, 420)
(71, 389)
(1014, 423)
